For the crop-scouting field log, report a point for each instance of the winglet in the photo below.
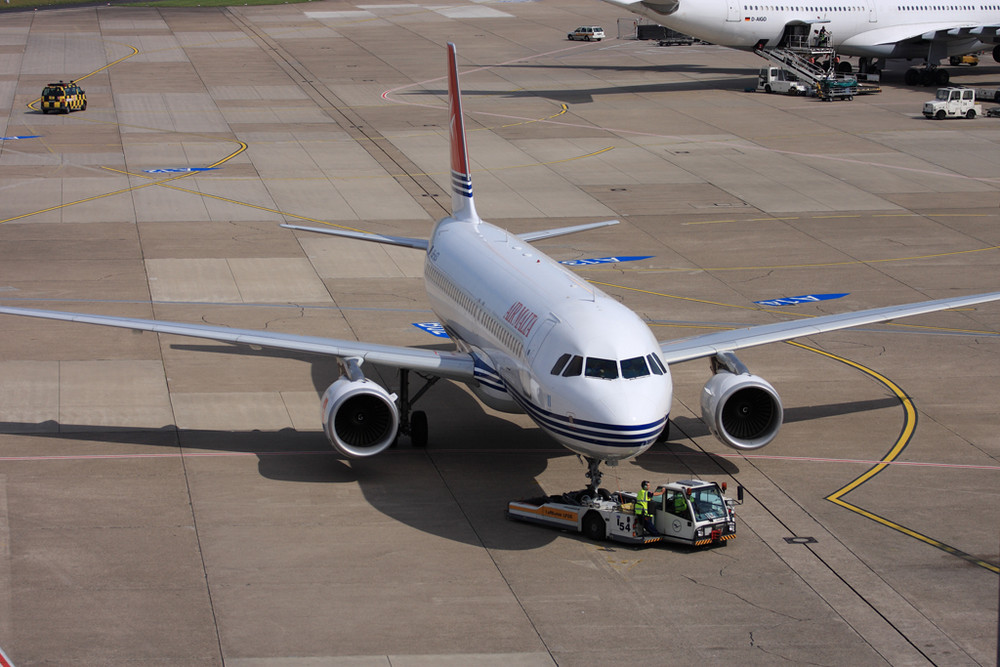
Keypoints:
(462, 205)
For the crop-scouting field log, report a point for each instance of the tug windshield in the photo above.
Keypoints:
(708, 503)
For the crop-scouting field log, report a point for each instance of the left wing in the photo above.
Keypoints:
(405, 241)
(921, 32)
(697, 347)
(454, 365)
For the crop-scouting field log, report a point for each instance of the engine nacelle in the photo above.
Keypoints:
(360, 417)
(742, 410)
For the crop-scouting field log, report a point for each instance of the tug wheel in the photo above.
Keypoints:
(593, 527)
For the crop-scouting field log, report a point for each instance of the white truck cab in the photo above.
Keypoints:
(778, 80)
(953, 103)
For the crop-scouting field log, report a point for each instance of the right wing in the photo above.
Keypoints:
(454, 365)
(707, 345)
(562, 231)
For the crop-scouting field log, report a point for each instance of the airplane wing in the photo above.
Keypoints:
(697, 347)
(406, 242)
(562, 231)
(916, 32)
(453, 365)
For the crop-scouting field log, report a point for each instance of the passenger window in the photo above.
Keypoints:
(560, 364)
(634, 368)
(575, 367)
(606, 369)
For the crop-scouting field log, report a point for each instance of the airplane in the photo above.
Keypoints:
(873, 30)
(531, 337)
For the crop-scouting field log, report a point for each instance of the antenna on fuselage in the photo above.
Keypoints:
(463, 206)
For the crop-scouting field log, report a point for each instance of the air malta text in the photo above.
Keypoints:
(521, 317)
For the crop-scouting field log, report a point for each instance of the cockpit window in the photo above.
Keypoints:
(575, 366)
(656, 364)
(606, 369)
(634, 368)
(560, 364)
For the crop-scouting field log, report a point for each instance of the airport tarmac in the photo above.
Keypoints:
(172, 501)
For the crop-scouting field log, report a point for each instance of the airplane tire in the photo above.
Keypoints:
(418, 429)
(593, 527)
(912, 77)
(941, 77)
(996, 53)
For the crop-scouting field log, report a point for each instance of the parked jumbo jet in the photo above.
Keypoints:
(532, 337)
(873, 30)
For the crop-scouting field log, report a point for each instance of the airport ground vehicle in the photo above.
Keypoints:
(707, 516)
(587, 33)
(674, 38)
(837, 87)
(971, 59)
(953, 103)
(778, 80)
(64, 97)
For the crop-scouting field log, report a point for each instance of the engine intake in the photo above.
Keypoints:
(742, 410)
(360, 417)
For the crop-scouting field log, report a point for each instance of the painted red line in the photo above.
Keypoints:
(4, 660)
(815, 459)
(165, 455)
(803, 459)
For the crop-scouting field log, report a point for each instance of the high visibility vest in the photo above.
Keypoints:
(680, 503)
(642, 503)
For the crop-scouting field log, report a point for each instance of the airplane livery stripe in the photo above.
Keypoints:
(461, 184)
(614, 435)
(609, 435)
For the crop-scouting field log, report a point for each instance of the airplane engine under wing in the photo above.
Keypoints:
(360, 417)
(741, 410)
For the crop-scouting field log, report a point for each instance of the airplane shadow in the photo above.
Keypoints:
(455, 489)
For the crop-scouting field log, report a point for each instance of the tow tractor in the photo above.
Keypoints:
(953, 103)
(705, 517)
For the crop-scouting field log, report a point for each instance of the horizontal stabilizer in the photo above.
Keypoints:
(562, 231)
(420, 244)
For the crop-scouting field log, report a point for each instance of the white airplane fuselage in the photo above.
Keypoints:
(519, 312)
(866, 29)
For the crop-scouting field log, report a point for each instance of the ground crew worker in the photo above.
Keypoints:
(680, 504)
(642, 514)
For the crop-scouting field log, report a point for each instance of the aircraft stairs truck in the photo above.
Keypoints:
(815, 65)
(707, 517)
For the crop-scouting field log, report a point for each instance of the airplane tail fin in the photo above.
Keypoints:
(463, 207)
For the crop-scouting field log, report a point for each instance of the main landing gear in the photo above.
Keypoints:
(413, 424)
(931, 75)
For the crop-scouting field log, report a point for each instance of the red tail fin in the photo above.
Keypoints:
(462, 205)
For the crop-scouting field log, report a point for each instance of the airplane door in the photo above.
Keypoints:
(872, 11)
(734, 10)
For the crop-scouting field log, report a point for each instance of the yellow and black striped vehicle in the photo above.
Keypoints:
(64, 97)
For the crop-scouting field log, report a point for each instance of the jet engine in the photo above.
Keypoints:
(360, 417)
(741, 410)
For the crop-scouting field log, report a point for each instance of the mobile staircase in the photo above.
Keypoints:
(815, 64)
